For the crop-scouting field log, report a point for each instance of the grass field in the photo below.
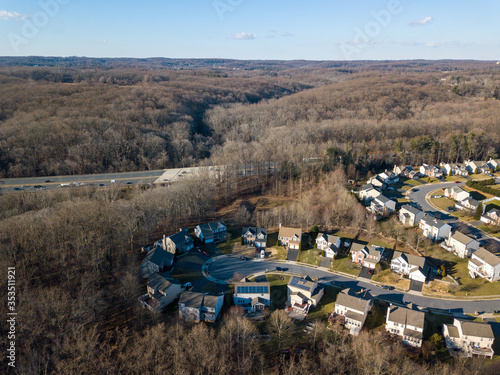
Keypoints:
(326, 306)
(311, 256)
(390, 278)
(345, 265)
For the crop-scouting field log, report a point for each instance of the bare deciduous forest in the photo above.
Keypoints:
(76, 251)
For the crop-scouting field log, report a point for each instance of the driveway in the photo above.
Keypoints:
(365, 273)
(292, 255)
(416, 286)
(325, 262)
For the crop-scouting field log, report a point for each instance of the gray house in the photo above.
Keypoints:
(162, 290)
(155, 261)
(200, 307)
(178, 243)
(211, 232)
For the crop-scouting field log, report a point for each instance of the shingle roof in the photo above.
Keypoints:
(432, 221)
(476, 329)
(290, 232)
(462, 238)
(487, 257)
(254, 230)
(357, 247)
(330, 238)
(302, 283)
(452, 330)
(156, 256)
(402, 315)
(180, 238)
(161, 282)
(411, 333)
(349, 299)
(411, 209)
(192, 299)
(383, 199)
(413, 260)
(210, 301)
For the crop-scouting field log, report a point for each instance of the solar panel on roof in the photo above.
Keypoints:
(253, 289)
(296, 282)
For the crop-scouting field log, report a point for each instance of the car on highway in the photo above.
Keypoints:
(18, 188)
(37, 186)
(129, 182)
(101, 184)
(47, 181)
(25, 186)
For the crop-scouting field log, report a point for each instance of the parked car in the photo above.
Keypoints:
(387, 287)
(47, 181)
(457, 182)
(244, 258)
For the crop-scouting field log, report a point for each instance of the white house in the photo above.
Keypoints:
(465, 338)
(200, 307)
(252, 296)
(456, 193)
(377, 182)
(477, 166)
(368, 192)
(330, 244)
(354, 306)
(468, 203)
(461, 244)
(433, 228)
(407, 323)
(162, 291)
(484, 264)
(415, 267)
(381, 204)
(402, 170)
(494, 164)
(409, 215)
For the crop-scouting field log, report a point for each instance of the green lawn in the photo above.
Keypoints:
(227, 246)
(412, 182)
(312, 257)
(492, 231)
(345, 265)
(376, 318)
(326, 305)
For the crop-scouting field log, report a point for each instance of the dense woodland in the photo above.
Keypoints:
(76, 251)
(74, 116)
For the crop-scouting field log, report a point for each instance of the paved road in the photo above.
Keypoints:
(417, 195)
(225, 268)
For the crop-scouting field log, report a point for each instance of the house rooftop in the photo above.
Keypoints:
(160, 282)
(254, 231)
(191, 299)
(156, 256)
(487, 257)
(302, 283)
(402, 315)
(433, 222)
(210, 301)
(411, 209)
(413, 260)
(358, 247)
(476, 329)
(290, 232)
(351, 300)
(252, 288)
(383, 199)
(452, 330)
(462, 238)
(180, 237)
(330, 238)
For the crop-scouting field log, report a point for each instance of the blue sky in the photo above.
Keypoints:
(252, 29)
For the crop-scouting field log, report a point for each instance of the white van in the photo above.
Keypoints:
(262, 254)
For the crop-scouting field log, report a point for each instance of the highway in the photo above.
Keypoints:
(226, 267)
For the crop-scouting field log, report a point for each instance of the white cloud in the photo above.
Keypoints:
(6, 15)
(244, 36)
(421, 22)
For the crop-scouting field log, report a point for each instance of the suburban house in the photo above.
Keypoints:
(178, 243)
(200, 307)
(162, 291)
(354, 306)
(447, 168)
(461, 244)
(491, 217)
(477, 166)
(388, 178)
(368, 192)
(381, 204)
(211, 232)
(413, 175)
(409, 215)
(456, 193)
(329, 243)
(155, 261)
(252, 296)
(433, 228)
(407, 323)
(431, 171)
(484, 264)
(303, 293)
(468, 203)
(454, 169)
(466, 338)
(290, 237)
(366, 256)
(494, 164)
(402, 170)
(415, 267)
(377, 182)
(254, 236)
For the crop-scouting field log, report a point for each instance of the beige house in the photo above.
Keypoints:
(484, 264)
(460, 244)
(491, 217)
(162, 290)
(354, 306)
(407, 323)
(290, 237)
(178, 243)
(456, 193)
(303, 293)
(465, 338)
(409, 215)
(199, 307)
(368, 192)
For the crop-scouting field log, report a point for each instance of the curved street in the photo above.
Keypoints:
(226, 269)
(418, 194)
